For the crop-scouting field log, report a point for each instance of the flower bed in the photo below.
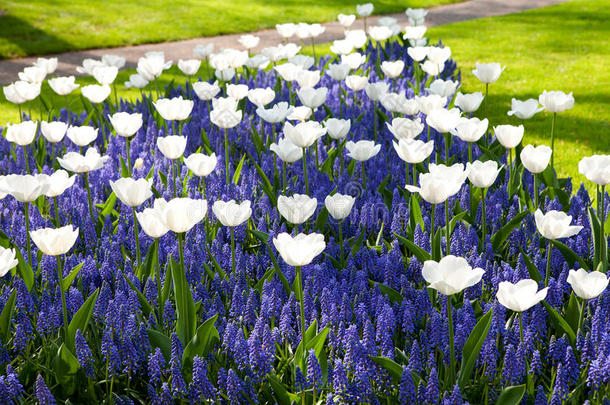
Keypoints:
(199, 299)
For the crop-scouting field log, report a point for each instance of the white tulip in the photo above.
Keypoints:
(203, 51)
(179, 215)
(596, 169)
(362, 150)
(136, 81)
(308, 78)
(152, 65)
(469, 103)
(63, 85)
(451, 274)
(226, 117)
(587, 285)
(364, 10)
(57, 182)
(417, 53)
(338, 71)
(49, 65)
(536, 159)
(524, 109)
(261, 97)
(430, 103)
(416, 16)
(509, 135)
(470, 129)
(405, 128)
(443, 120)
(392, 69)
(82, 136)
(114, 60)
(96, 93)
(415, 32)
(521, 296)
(277, 113)
(77, 163)
(88, 66)
(300, 250)
(288, 71)
(556, 101)
(53, 131)
(224, 75)
(285, 30)
(20, 92)
(376, 90)
(346, 20)
(483, 174)
(286, 150)
(33, 74)
(189, 67)
(304, 61)
(444, 88)
(172, 146)
(312, 98)
(438, 55)
(356, 38)
(297, 208)
(126, 124)
(304, 134)
(55, 242)
(355, 82)
(488, 72)
(555, 225)
(206, 91)
(413, 151)
(105, 75)
(230, 213)
(21, 134)
(7, 260)
(174, 108)
(353, 60)
(24, 188)
(152, 223)
(339, 206)
(398, 103)
(380, 33)
(454, 175)
(300, 113)
(237, 91)
(337, 128)
(201, 165)
(132, 192)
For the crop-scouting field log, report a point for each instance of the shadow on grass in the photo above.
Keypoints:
(25, 38)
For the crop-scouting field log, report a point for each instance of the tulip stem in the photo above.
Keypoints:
(451, 343)
(305, 171)
(548, 263)
(447, 139)
(56, 209)
(232, 250)
(447, 227)
(535, 191)
(298, 290)
(470, 152)
(432, 226)
(414, 174)
(27, 231)
(227, 156)
(553, 141)
(341, 242)
(25, 158)
(486, 102)
(127, 145)
(136, 234)
(602, 233)
(86, 181)
(313, 49)
(283, 177)
(581, 316)
(521, 326)
(63, 295)
(363, 176)
(174, 169)
(157, 278)
(181, 250)
(20, 113)
(375, 120)
(483, 219)
(510, 167)
(203, 186)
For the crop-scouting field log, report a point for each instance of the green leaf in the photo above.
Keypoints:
(185, 306)
(415, 213)
(163, 342)
(531, 267)
(81, 319)
(200, 344)
(570, 255)
(67, 281)
(65, 364)
(511, 395)
(6, 316)
(390, 365)
(266, 184)
(124, 168)
(600, 243)
(559, 323)
(472, 347)
(499, 237)
(358, 242)
(418, 252)
(315, 342)
(388, 291)
(149, 265)
(238, 169)
(281, 394)
(24, 269)
(572, 312)
(321, 220)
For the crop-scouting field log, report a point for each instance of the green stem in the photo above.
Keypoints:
(136, 233)
(486, 107)
(363, 176)
(521, 326)
(86, 179)
(602, 233)
(451, 343)
(56, 209)
(375, 120)
(305, 171)
(174, 177)
(510, 166)
(447, 227)
(203, 186)
(313, 50)
(470, 152)
(64, 308)
(227, 156)
(232, 250)
(283, 177)
(548, 263)
(432, 225)
(341, 242)
(414, 174)
(127, 145)
(581, 316)
(535, 191)
(25, 158)
(158, 281)
(27, 231)
(299, 292)
(447, 148)
(483, 220)
(553, 141)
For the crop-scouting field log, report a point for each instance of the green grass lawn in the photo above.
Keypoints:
(35, 27)
(563, 47)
